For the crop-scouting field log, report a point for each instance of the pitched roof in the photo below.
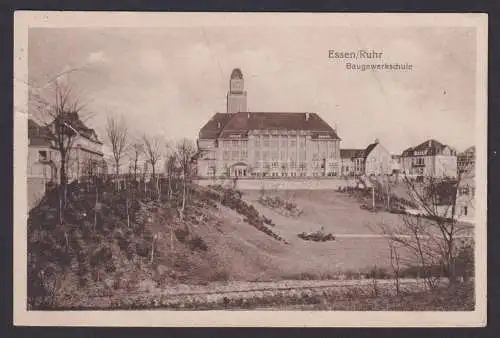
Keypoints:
(40, 134)
(37, 134)
(213, 128)
(469, 151)
(223, 125)
(428, 148)
(369, 149)
(74, 120)
(352, 153)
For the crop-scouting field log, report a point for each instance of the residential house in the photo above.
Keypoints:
(396, 164)
(429, 159)
(466, 198)
(466, 161)
(85, 157)
(352, 162)
(374, 160)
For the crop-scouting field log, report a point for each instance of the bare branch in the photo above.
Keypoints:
(117, 133)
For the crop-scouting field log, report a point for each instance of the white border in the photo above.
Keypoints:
(25, 19)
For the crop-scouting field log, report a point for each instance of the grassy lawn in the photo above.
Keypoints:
(336, 213)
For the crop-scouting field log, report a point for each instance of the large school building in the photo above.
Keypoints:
(265, 144)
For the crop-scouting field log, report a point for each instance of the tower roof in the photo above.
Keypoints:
(236, 74)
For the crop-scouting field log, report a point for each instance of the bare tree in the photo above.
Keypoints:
(170, 168)
(59, 111)
(186, 149)
(117, 133)
(430, 233)
(152, 150)
(136, 150)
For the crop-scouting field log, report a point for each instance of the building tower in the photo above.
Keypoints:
(236, 96)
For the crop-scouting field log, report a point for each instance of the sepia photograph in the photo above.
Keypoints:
(317, 167)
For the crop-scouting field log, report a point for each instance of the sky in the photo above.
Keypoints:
(170, 81)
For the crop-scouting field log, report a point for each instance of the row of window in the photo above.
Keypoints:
(234, 155)
(283, 166)
(274, 155)
(284, 142)
(227, 144)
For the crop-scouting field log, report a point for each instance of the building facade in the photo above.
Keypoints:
(374, 160)
(466, 198)
(352, 162)
(429, 159)
(85, 157)
(466, 161)
(240, 143)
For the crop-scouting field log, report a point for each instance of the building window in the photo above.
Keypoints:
(274, 141)
(234, 143)
(234, 154)
(211, 171)
(302, 142)
(265, 155)
(257, 141)
(42, 155)
(266, 140)
(275, 155)
(283, 156)
(243, 154)
(302, 155)
(464, 191)
(293, 142)
(293, 156)
(283, 141)
(257, 155)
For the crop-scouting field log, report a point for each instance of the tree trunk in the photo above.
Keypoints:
(128, 214)
(152, 250)
(135, 170)
(169, 187)
(95, 207)
(183, 194)
(373, 197)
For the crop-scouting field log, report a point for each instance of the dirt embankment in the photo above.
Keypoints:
(134, 243)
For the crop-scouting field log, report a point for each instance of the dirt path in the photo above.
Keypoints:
(243, 294)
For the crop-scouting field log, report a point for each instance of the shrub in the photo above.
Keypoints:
(378, 273)
(100, 256)
(197, 243)
(317, 236)
(181, 234)
(142, 249)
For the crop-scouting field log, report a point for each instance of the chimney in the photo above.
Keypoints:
(248, 115)
(430, 143)
(377, 141)
(218, 125)
(307, 116)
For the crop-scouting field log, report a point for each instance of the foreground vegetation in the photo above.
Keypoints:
(124, 247)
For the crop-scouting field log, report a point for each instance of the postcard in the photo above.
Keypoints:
(250, 169)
